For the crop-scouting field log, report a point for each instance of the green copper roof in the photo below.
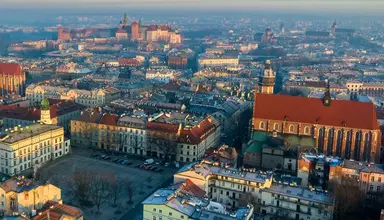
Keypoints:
(45, 104)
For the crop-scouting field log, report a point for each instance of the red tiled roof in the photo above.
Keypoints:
(108, 119)
(162, 127)
(310, 110)
(128, 61)
(10, 68)
(196, 134)
(190, 187)
(164, 27)
(53, 210)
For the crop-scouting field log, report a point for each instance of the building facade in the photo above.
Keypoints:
(338, 131)
(29, 147)
(25, 197)
(98, 97)
(12, 79)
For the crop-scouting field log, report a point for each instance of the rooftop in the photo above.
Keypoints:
(22, 133)
(313, 111)
(300, 193)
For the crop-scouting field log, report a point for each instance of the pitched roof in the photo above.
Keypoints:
(108, 119)
(53, 210)
(312, 111)
(10, 68)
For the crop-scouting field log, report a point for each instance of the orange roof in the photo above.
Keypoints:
(10, 68)
(53, 210)
(190, 187)
(152, 27)
(109, 119)
(312, 111)
(162, 127)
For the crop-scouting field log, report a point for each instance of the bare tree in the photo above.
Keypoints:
(249, 198)
(122, 141)
(80, 183)
(282, 214)
(130, 190)
(87, 131)
(164, 143)
(348, 199)
(116, 188)
(99, 190)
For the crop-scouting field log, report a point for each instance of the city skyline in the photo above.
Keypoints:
(279, 5)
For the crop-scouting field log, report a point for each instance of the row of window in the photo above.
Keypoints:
(161, 211)
(291, 128)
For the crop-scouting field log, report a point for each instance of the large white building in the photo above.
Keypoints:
(207, 60)
(161, 75)
(31, 146)
(98, 97)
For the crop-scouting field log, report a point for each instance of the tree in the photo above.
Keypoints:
(87, 130)
(163, 142)
(116, 188)
(130, 190)
(348, 200)
(99, 190)
(80, 183)
(282, 214)
(249, 198)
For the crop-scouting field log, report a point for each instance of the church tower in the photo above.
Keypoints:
(267, 79)
(327, 95)
(334, 26)
(45, 113)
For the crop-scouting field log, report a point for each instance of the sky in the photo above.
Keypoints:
(362, 6)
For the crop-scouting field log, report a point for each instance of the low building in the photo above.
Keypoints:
(184, 201)
(22, 196)
(282, 201)
(30, 146)
(161, 75)
(56, 210)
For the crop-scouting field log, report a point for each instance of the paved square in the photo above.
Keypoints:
(62, 169)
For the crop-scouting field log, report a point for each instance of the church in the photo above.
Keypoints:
(346, 129)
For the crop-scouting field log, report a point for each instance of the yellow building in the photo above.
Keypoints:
(213, 60)
(31, 146)
(24, 197)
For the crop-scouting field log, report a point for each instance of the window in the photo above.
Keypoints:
(276, 126)
(306, 130)
(378, 189)
(261, 125)
(379, 179)
(372, 179)
(160, 211)
(291, 128)
(154, 209)
(170, 214)
(154, 217)
(370, 188)
(182, 217)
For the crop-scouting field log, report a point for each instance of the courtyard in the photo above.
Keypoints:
(61, 170)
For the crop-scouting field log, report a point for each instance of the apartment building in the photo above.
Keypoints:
(224, 184)
(283, 201)
(208, 60)
(94, 98)
(185, 201)
(31, 146)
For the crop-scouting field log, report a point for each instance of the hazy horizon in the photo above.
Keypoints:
(357, 6)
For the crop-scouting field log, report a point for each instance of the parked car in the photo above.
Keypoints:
(95, 155)
(166, 164)
(115, 160)
(153, 168)
(138, 165)
(147, 167)
(149, 161)
(103, 156)
(107, 158)
(129, 163)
